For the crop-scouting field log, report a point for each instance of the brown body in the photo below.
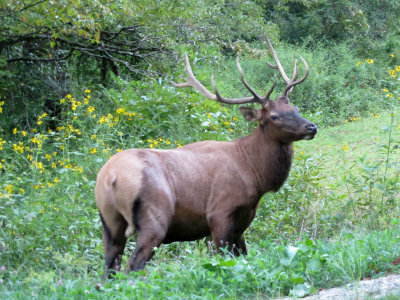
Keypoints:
(206, 188)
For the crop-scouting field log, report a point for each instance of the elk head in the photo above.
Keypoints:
(279, 119)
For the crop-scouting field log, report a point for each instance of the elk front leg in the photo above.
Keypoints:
(222, 232)
(240, 246)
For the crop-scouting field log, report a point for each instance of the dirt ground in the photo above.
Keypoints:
(365, 289)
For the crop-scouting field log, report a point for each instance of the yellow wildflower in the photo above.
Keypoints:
(15, 130)
(369, 60)
(120, 110)
(9, 188)
(87, 91)
(2, 142)
(19, 148)
(93, 151)
(345, 147)
(102, 120)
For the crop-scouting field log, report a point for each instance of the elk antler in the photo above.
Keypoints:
(192, 81)
(290, 83)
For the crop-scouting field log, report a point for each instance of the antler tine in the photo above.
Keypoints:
(278, 63)
(256, 97)
(271, 88)
(271, 66)
(290, 83)
(295, 70)
(192, 81)
(289, 87)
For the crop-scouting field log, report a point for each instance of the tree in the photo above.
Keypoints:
(46, 46)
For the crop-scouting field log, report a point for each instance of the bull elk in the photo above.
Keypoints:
(201, 189)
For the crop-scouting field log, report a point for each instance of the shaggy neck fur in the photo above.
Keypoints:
(269, 160)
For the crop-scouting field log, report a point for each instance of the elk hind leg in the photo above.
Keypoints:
(114, 241)
(151, 231)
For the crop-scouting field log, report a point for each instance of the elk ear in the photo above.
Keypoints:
(251, 114)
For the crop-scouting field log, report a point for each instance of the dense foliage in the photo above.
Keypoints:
(82, 80)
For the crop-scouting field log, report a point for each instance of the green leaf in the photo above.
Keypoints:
(300, 290)
(290, 253)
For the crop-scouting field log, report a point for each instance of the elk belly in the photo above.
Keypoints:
(187, 225)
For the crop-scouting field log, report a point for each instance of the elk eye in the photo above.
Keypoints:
(274, 117)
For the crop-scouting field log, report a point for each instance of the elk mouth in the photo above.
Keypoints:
(311, 131)
(309, 137)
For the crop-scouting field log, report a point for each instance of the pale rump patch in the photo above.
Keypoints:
(118, 185)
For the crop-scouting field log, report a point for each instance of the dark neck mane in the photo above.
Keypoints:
(267, 160)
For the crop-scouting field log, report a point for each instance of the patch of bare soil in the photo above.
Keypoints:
(364, 289)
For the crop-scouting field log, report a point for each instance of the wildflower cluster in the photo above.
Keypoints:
(109, 119)
(213, 121)
(353, 119)
(161, 142)
(375, 115)
(394, 72)
(39, 118)
(122, 111)
(367, 60)
(41, 153)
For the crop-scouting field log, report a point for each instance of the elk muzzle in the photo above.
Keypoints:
(311, 130)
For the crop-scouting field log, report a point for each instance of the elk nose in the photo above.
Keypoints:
(312, 128)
